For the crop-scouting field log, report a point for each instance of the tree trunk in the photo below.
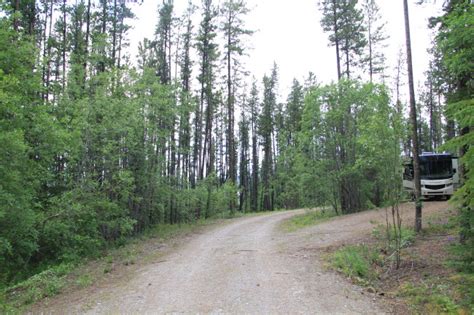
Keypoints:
(414, 125)
(48, 64)
(336, 40)
(466, 223)
(254, 171)
(16, 22)
(64, 45)
(86, 43)
(114, 34)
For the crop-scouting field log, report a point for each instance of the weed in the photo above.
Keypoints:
(109, 259)
(407, 236)
(84, 281)
(356, 261)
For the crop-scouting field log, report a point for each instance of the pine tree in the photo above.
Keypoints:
(455, 43)
(186, 101)
(266, 128)
(163, 41)
(208, 53)
(375, 39)
(233, 29)
(344, 22)
(413, 121)
(254, 110)
(244, 172)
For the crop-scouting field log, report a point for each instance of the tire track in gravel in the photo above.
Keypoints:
(247, 266)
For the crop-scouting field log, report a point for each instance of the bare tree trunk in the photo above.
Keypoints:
(254, 169)
(119, 61)
(336, 40)
(416, 158)
(86, 43)
(230, 117)
(371, 68)
(64, 45)
(16, 22)
(48, 64)
(431, 114)
(114, 34)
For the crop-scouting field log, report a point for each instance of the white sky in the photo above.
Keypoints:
(289, 33)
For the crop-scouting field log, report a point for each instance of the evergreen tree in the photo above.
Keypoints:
(208, 53)
(455, 43)
(376, 37)
(254, 110)
(186, 101)
(163, 41)
(344, 21)
(413, 122)
(266, 128)
(233, 29)
(244, 172)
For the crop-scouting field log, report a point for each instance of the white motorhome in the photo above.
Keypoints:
(439, 175)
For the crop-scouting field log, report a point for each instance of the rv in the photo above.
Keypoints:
(439, 175)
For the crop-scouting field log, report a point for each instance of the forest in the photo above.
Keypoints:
(95, 148)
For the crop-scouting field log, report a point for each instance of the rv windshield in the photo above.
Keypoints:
(436, 167)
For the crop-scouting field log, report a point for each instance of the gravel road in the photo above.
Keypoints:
(247, 266)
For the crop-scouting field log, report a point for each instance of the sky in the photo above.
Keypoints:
(289, 33)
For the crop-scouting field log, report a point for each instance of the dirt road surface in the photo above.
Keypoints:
(247, 266)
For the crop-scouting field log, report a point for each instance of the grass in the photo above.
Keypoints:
(430, 297)
(45, 284)
(356, 261)
(88, 271)
(309, 218)
(430, 279)
(140, 249)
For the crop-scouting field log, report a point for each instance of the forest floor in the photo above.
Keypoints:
(246, 265)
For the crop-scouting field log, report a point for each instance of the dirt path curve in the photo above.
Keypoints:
(247, 266)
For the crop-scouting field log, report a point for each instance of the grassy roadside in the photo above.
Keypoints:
(73, 276)
(309, 218)
(113, 263)
(427, 281)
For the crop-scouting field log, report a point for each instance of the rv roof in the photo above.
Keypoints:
(435, 154)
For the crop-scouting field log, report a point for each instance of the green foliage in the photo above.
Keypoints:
(344, 20)
(463, 199)
(455, 42)
(223, 198)
(94, 152)
(20, 123)
(339, 159)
